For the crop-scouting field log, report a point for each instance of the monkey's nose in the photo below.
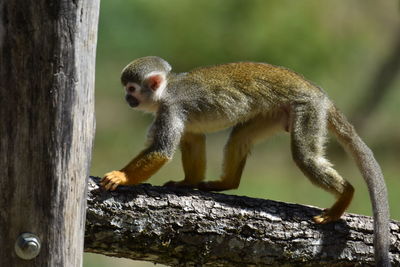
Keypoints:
(132, 101)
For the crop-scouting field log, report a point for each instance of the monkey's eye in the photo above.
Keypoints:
(130, 89)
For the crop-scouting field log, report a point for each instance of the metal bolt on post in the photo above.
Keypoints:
(27, 246)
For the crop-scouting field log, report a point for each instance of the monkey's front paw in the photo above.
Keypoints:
(112, 179)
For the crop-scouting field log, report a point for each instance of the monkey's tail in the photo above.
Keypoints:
(372, 175)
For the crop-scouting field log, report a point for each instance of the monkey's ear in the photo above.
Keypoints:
(154, 81)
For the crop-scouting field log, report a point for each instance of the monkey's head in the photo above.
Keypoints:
(145, 80)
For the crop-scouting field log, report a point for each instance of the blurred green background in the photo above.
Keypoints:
(340, 45)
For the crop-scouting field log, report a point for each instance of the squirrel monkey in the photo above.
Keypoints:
(256, 100)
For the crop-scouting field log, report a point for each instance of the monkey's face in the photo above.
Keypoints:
(138, 97)
(145, 96)
(133, 94)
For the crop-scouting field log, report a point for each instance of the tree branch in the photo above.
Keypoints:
(184, 227)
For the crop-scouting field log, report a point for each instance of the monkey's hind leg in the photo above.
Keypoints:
(308, 132)
(193, 148)
(241, 139)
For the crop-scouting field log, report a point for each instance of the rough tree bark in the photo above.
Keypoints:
(184, 227)
(47, 56)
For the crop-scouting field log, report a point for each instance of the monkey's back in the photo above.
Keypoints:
(255, 78)
(228, 93)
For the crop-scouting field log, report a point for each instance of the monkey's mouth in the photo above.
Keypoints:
(132, 101)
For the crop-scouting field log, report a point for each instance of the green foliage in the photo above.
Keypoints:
(336, 44)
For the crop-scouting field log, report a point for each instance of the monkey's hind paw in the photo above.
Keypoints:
(215, 186)
(180, 184)
(325, 217)
(112, 179)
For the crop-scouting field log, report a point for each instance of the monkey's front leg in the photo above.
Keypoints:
(193, 148)
(141, 168)
(163, 138)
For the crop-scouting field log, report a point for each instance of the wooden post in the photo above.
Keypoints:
(47, 63)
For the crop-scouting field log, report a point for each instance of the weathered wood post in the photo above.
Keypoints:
(47, 63)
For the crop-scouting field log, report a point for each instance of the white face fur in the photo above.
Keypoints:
(146, 99)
